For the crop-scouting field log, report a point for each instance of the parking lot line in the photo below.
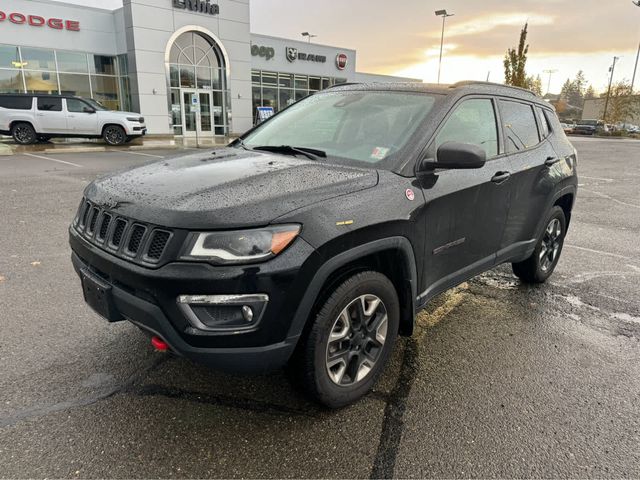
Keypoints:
(52, 160)
(599, 252)
(144, 154)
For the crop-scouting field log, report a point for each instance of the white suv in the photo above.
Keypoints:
(29, 118)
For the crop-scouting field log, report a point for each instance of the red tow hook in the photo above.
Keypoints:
(159, 344)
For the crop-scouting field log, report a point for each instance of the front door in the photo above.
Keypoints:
(80, 120)
(196, 113)
(466, 210)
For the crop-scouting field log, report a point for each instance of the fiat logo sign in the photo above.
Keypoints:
(341, 61)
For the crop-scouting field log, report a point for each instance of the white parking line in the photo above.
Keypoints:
(599, 252)
(53, 160)
(144, 154)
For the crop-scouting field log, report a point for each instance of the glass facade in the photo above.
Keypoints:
(279, 90)
(38, 70)
(199, 97)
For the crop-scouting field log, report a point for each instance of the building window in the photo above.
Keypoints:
(43, 71)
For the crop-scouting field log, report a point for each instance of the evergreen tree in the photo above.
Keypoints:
(515, 62)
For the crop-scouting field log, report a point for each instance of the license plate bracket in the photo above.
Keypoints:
(99, 296)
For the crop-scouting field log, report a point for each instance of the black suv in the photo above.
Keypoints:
(315, 238)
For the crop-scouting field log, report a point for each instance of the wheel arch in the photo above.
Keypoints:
(383, 256)
(14, 122)
(112, 124)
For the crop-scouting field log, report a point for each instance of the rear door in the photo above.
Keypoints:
(79, 121)
(526, 132)
(466, 209)
(50, 116)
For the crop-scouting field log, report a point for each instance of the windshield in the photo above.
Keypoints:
(94, 104)
(352, 127)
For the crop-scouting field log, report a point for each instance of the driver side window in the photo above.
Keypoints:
(473, 121)
(76, 106)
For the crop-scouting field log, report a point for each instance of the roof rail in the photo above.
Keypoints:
(492, 84)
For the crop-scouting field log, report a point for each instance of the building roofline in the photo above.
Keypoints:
(302, 41)
(60, 3)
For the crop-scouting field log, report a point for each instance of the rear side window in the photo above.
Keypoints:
(519, 123)
(473, 121)
(50, 104)
(16, 103)
(545, 128)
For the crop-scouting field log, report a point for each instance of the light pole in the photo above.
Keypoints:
(308, 35)
(606, 103)
(635, 69)
(444, 15)
(551, 72)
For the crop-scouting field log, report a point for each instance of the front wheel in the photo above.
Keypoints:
(541, 264)
(350, 341)
(114, 135)
(24, 134)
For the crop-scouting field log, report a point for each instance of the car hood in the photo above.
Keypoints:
(227, 188)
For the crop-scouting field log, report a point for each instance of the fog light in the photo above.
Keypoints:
(217, 313)
(247, 313)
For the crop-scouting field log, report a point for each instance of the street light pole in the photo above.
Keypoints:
(444, 15)
(635, 69)
(550, 72)
(606, 103)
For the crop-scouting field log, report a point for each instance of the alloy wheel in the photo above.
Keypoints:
(356, 340)
(114, 136)
(550, 245)
(23, 134)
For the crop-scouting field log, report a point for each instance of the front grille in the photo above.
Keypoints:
(121, 236)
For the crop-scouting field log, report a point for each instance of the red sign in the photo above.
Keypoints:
(38, 21)
(341, 61)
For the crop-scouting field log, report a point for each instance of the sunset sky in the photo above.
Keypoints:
(403, 37)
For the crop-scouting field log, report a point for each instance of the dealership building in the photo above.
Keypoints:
(191, 67)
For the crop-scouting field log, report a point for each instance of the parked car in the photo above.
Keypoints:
(568, 129)
(29, 118)
(588, 127)
(317, 247)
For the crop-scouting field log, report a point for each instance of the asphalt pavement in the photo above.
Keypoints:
(501, 379)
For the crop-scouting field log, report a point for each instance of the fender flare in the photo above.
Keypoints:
(305, 306)
(569, 189)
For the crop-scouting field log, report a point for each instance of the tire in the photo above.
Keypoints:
(359, 350)
(24, 133)
(114, 135)
(541, 264)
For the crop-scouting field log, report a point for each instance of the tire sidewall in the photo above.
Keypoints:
(372, 283)
(556, 213)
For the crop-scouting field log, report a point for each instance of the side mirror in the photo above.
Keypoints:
(89, 110)
(456, 155)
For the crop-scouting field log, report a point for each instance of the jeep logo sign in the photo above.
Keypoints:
(265, 52)
(198, 6)
(341, 61)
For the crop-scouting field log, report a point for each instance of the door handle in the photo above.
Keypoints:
(501, 177)
(551, 161)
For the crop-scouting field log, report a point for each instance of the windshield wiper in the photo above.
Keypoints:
(310, 153)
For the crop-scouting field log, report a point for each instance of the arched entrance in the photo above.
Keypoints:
(198, 96)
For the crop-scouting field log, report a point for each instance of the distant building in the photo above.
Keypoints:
(594, 110)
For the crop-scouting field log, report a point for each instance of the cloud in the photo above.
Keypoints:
(487, 23)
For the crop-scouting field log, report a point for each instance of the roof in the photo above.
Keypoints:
(446, 89)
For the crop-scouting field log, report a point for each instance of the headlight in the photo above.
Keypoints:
(242, 246)
(134, 119)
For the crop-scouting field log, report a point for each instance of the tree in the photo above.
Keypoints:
(590, 94)
(573, 91)
(535, 84)
(515, 62)
(623, 106)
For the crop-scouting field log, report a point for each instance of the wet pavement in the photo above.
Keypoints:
(501, 380)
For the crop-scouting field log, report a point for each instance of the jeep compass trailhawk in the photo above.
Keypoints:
(315, 238)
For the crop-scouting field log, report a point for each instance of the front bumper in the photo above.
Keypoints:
(150, 298)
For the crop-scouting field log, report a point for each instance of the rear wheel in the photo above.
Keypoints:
(24, 133)
(350, 341)
(541, 264)
(114, 135)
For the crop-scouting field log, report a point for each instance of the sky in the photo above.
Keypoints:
(402, 37)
